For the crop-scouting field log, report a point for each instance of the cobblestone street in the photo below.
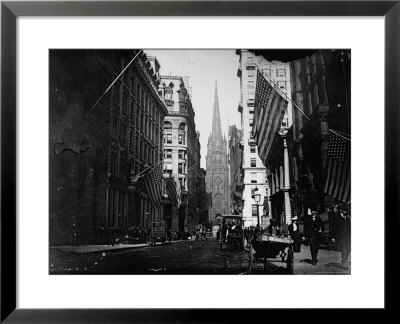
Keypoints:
(185, 257)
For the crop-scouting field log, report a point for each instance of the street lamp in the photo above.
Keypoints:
(257, 198)
(146, 215)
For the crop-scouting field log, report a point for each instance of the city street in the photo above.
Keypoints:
(183, 257)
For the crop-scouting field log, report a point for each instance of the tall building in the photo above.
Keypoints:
(236, 170)
(299, 163)
(97, 147)
(217, 179)
(181, 152)
(321, 89)
(255, 172)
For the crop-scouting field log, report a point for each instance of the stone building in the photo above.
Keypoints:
(321, 88)
(255, 172)
(99, 141)
(217, 179)
(181, 152)
(236, 170)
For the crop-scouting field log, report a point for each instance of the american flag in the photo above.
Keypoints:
(337, 172)
(172, 191)
(153, 184)
(269, 111)
(178, 192)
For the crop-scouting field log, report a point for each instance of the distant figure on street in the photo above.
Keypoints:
(342, 232)
(273, 228)
(295, 234)
(313, 233)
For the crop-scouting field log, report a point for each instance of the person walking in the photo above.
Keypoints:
(313, 233)
(294, 233)
(342, 232)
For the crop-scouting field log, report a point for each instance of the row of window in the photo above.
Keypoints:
(147, 125)
(152, 132)
(168, 126)
(181, 167)
(142, 98)
(279, 72)
(181, 138)
(168, 154)
(280, 84)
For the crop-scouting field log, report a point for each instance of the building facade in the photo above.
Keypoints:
(255, 171)
(321, 88)
(296, 165)
(181, 152)
(217, 179)
(97, 146)
(236, 170)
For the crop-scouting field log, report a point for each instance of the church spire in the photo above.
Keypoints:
(216, 127)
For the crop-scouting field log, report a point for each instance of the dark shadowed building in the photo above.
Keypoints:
(96, 147)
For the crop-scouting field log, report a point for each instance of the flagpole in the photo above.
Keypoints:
(334, 132)
(115, 80)
(281, 92)
(149, 168)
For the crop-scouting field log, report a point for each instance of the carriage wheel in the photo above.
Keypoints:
(250, 257)
(290, 260)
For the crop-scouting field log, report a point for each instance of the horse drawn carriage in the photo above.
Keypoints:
(201, 233)
(231, 232)
(159, 233)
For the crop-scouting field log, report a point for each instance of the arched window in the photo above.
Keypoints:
(182, 127)
(167, 125)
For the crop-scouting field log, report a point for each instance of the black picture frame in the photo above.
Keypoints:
(10, 10)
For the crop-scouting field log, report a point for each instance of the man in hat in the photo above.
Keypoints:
(342, 231)
(313, 233)
(295, 234)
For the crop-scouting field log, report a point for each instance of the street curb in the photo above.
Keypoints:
(94, 248)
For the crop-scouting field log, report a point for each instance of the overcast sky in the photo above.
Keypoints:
(204, 67)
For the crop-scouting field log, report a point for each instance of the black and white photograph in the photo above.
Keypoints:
(200, 161)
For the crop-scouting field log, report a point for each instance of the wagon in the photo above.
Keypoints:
(233, 238)
(267, 246)
(159, 233)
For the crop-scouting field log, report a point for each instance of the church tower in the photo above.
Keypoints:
(217, 178)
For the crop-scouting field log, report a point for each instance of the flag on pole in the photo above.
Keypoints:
(178, 193)
(153, 185)
(172, 191)
(337, 172)
(269, 111)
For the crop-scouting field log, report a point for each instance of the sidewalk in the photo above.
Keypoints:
(100, 248)
(329, 262)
